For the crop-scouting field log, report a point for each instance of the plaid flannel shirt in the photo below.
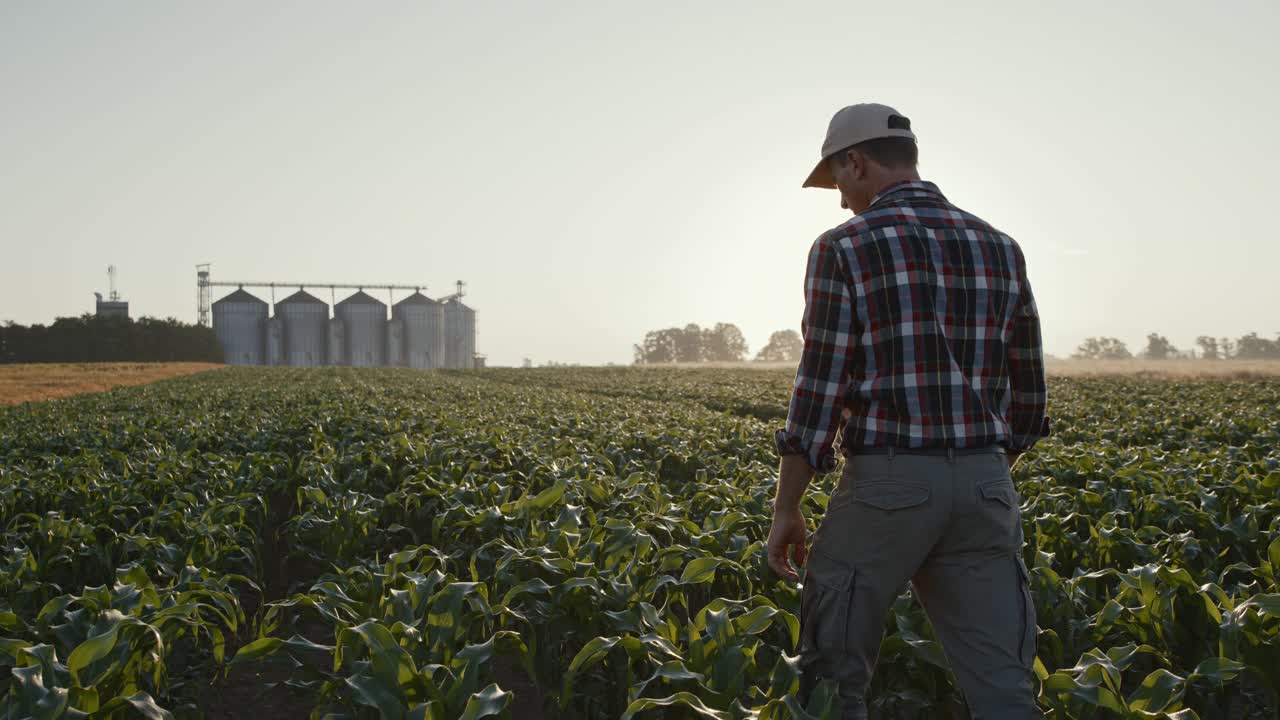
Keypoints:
(919, 321)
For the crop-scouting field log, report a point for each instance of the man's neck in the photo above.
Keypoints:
(892, 180)
(857, 207)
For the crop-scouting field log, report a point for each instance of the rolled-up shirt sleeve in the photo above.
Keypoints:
(1028, 419)
(830, 337)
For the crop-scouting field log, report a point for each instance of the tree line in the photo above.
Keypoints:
(90, 338)
(1249, 347)
(722, 343)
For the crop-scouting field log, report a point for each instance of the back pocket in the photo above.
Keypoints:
(1000, 507)
(1001, 491)
(890, 495)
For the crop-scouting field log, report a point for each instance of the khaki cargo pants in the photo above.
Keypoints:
(950, 525)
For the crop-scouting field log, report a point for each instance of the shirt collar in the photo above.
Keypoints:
(908, 189)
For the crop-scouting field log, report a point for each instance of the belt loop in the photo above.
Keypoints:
(951, 455)
(890, 452)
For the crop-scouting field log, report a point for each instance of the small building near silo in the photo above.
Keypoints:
(459, 335)
(239, 322)
(110, 308)
(306, 324)
(365, 321)
(423, 320)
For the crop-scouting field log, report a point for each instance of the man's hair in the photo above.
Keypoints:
(891, 152)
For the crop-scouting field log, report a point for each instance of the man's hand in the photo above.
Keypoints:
(788, 535)
(788, 540)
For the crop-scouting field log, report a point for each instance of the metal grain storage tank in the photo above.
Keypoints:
(337, 343)
(275, 341)
(305, 319)
(239, 322)
(459, 335)
(395, 342)
(423, 330)
(365, 320)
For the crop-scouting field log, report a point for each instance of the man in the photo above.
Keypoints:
(920, 329)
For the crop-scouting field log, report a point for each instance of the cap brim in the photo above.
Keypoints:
(821, 176)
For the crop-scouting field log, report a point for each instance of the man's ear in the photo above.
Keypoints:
(859, 162)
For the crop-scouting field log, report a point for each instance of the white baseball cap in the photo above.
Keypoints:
(853, 125)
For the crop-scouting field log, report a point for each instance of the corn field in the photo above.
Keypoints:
(585, 543)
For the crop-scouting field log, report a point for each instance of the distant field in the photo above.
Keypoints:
(1154, 369)
(1226, 369)
(47, 381)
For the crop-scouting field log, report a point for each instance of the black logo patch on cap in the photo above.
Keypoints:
(897, 122)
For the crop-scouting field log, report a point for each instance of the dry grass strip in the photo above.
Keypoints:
(35, 382)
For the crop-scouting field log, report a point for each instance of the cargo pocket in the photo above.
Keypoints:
(825, 604)
(1027, 638)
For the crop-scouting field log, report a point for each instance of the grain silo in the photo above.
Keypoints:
(239, 322)
(305, 319)
(459, 334)
(365, 322)
(423, 330)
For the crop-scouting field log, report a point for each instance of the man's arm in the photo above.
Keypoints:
(813, 418)
(830, 336)
(1028, 421)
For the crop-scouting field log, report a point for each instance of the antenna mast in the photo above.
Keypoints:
(111, 280)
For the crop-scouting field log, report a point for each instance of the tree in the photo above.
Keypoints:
(1159, 348)
(1107, 348)
(689, 345)
(1226, 348)
(660, 346)
(89, 338)
(783, 346)
(724, 343)
(1253, 347)
(1208, 347)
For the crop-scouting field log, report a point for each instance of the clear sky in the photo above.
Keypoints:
(598, 169)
